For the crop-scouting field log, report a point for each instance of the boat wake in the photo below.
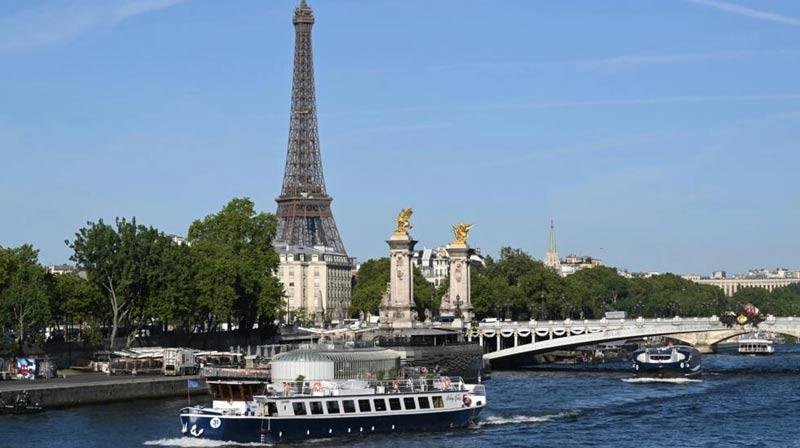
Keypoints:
(189, 442)
(518, 419)
(662, 380)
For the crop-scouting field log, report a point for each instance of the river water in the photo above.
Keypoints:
(740, 402)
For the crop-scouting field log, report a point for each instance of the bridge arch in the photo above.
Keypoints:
(509, 344)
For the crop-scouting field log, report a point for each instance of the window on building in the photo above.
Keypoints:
(333, 407)
(316, 272)
(363, 406)
(438, 402)
(394, 404)
(299, 408)
(409, 403)
(349, 406)
(316, 407)
(424, 403)
(380, 404)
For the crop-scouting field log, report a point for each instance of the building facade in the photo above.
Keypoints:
(317, 283)
(731, 285)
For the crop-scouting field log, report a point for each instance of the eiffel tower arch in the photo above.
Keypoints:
(315, 268)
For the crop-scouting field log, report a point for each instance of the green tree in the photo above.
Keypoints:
(425, 297)
(24, 301)
(74, 299)
(759, 297)
(174, 300)
(594, 291)
(371, 284)
(787, 300)
(235, 264)
(125, 262)
(518, 287)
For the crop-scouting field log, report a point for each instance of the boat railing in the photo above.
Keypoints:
(233, 372)
(367, 386)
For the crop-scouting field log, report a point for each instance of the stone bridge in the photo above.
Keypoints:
(509, 344)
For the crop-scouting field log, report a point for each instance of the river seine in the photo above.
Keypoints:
(740, 402)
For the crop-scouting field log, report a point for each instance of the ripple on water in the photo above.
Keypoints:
(189, 442)
(521, 419)
(662, 380)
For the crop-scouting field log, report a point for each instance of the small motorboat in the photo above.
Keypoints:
(22, 404)
(679, 361)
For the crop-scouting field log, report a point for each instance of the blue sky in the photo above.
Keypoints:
(659, 135)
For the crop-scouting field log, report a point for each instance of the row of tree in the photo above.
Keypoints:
(137, 276)
(516, 286)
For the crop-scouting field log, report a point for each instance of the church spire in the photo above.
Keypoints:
(551, 258)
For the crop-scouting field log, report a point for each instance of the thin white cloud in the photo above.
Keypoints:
(616, 63)
(58, 22)
(642, 101)
(633, 61)
(748, 12)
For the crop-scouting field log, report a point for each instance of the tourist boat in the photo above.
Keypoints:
(296, 411)
(678, 361)
(755, 344)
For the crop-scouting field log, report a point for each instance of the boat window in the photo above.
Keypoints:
(349, 406)
(394, 404)
(299, 408)
(438, 402)
(380, 404)
(424, 403)
(272, 409)
(215, 392)
(316, 407)
(363, 406)
(409, 403)
(333, 407)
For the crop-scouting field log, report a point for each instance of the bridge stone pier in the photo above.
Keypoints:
(513, 344)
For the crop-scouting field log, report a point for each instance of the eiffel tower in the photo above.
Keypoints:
(304, 206)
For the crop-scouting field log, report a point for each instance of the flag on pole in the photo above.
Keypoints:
(193, 384)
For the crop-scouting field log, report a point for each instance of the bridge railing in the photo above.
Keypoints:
(676, 320)
(637, 322)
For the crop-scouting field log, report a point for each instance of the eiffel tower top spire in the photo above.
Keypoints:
(303, 174)
(304, 212)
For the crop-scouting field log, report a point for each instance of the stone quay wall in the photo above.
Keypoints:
(58, 393)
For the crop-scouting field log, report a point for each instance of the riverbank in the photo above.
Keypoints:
(92, 388)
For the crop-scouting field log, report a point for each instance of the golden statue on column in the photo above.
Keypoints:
(461, 234)
(403, 222)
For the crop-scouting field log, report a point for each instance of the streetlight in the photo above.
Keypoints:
(543, 318)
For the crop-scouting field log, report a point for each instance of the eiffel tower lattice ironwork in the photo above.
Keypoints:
(304, 206)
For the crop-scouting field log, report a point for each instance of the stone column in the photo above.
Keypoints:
(397, 307)
(458, 300)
